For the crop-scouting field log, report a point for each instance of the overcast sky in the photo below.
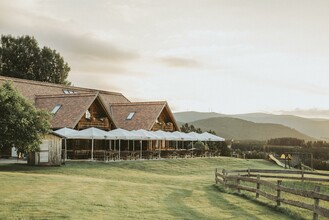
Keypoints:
(232, 56)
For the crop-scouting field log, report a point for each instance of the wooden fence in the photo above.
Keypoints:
(234, 182)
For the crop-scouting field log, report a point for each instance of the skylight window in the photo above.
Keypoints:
(55, 110)
(67, 91)
(131, 115)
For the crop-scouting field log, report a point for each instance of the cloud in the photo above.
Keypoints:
(180, 62)
(90, 47)
(62, 35)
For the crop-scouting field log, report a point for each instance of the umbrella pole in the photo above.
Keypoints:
(157, 145)
(92, 149)
(133, 145)
(65, 153)
(119, 148)
(140, 146)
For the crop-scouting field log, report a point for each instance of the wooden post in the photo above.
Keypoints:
(238, 183)
(248, 171)
(257, 186)
(312, 161)
(302, 174)
(216, 176)
(316, 204)
(278, 193)
(224, 177)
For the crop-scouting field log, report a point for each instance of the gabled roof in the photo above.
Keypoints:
(75, 101)
(30, 89)
(73, 107)
(144, 117)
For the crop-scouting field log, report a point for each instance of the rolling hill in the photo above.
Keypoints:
(187, 117)
(317, 128)
(238, 129)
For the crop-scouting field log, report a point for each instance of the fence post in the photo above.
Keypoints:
(257, 186)
(238, 183)
(248, 171)
(224, 176)
(278, 193)
(216, 176)
(316, 204)
(302, 174)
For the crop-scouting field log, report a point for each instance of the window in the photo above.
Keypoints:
(57, 107)
(131, 115)
(67, 91)
(88, 115)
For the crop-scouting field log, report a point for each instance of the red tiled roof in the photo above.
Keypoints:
(30, 89)
(48, 95)
(146, 114)
(73, 107)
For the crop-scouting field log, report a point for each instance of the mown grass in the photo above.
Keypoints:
(165, 189)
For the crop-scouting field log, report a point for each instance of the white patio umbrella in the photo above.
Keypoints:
(145, 135)
(183, 136)
(198, 136)
(89, 133)
(163, 136)
(211, 137)
(121, 134)
(64, 132)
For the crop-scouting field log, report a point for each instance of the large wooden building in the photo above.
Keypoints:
(79, 108)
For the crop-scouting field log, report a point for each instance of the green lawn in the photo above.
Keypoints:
(165, 189)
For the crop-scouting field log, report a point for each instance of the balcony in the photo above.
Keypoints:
(101, 123)
(163, 126)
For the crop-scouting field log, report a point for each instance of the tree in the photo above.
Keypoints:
(186, 128)
(21, 124)
(22, 57)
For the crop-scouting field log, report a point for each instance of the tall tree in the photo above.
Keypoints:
(21, 124)
(22, 57)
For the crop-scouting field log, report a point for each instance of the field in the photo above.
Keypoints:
(165, 189)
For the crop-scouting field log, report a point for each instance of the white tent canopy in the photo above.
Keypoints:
(122, 134)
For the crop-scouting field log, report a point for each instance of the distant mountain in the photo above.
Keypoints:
(238, 129)
(187, 117)
(317, 128)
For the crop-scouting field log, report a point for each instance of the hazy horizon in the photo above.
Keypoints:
(230, 57)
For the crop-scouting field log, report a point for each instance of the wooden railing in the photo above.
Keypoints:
(163, 126)
(234, 182)
(96, 123)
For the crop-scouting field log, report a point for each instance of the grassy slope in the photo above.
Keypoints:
(166, 189)
(233, 128)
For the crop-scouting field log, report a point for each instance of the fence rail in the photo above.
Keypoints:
(234, 180)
